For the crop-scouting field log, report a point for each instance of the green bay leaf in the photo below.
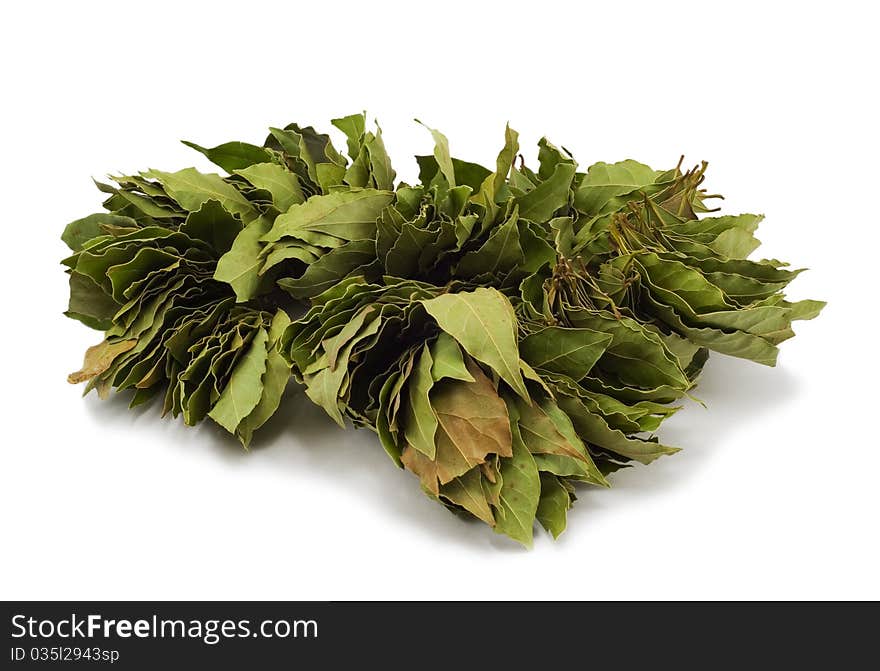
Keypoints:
(191, 189)
(484, 324)
(570, 351)
(542, 202)
(232, 156)
(419, 418)
(553, 504)
(519, 495)
(348, 215)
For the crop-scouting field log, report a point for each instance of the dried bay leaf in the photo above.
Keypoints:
(473, 416)
(350, 215)
(519, 495)
(78, 232)
(420, 419)
(240, 266)
(281, 183)
(553, 504)
(467, 491)
(541, 203)
(274, 381)
(245, 388)
(447, 360)
(192, 189)
(507, 334)
(483, 323)
(98, 359)
(572, 351)
(232, 156)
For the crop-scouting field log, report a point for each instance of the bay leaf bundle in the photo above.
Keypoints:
(508, 333)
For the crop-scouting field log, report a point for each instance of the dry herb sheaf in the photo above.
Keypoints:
(507, 333)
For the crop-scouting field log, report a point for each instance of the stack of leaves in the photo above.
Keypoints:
(507, 333)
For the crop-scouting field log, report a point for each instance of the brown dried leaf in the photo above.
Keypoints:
(99, 357)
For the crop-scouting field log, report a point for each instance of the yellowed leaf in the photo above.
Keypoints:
(98, 359)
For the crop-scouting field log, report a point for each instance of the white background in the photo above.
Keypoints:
(776, 492)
